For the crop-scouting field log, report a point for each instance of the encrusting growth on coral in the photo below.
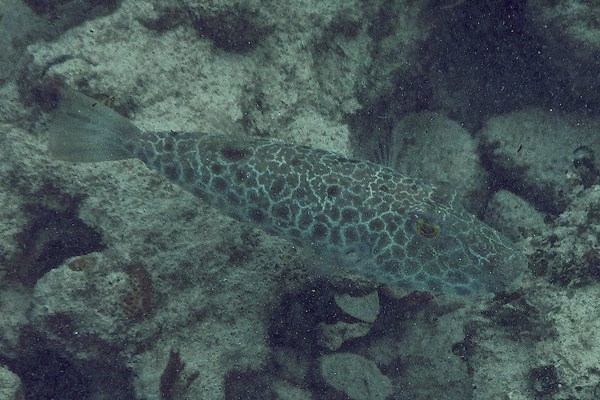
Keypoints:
(173, 381)
(138, 302)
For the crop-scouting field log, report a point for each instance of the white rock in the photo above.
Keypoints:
(364, 308)
(357, 377)
(10, 385)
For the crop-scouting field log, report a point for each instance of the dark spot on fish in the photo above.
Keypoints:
(381, 243)
(397, 252)
(334, 213)
(277, 187)
(333, 190)
(201, 194)
(167, 158)
(234, 154)
(319, 231)
(349, 215)
(390, 266)
(436, 285)
(240, 175)
(257, 216)
(281, 211)
(252, 196)
(204, 176)
(457, 277)
(233, 199)
(384, 188)
(294, 233)
(188, 173)
(367, 214)
(171, 171)
(376, 224)
(301, 193)
(335, 236)
(350, 234)
(142, 156)
(216, 168)
(219, 184)
(169, 145)
(392, 226)
(321, 218)
(304, 221)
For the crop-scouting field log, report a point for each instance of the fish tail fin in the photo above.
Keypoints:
(82, 129)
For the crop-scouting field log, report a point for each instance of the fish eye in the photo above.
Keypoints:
(427, 229)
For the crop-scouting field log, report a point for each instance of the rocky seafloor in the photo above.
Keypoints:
(117, 284)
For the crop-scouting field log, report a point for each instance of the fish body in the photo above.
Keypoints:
(357, 216)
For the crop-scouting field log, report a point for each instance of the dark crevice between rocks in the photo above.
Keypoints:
(53, 234)
(544, 382)
(511, 177)
(476, 59)
(483, 60)
(372, 125)
(47, 372)
(294, 323)
(236, 30)
(295, 336)
(249, 385)
(68, 13)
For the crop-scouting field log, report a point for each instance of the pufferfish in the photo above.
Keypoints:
(358, 217)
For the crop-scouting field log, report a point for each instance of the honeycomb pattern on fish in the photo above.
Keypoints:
(357, 215)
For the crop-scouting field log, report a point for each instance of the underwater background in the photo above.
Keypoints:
(116, 283)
